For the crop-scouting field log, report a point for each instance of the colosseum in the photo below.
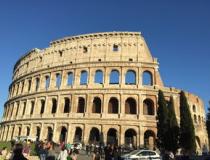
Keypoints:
(91, 88)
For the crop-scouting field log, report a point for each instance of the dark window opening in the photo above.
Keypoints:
(96, 105)
(81, 105)
(113, 106)
(54, 106)
(42, 106)
(67, 105)
(114, 77)
(32, 107)
(130, 106)
(115, 48)
(85, 49)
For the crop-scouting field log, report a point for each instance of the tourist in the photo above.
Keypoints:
(42, 151)
(63, 153)
(4, 152)
(74, 156)
(51, 155)
(17, 153)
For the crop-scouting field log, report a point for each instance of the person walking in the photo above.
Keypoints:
(63, 153)
(18, 153)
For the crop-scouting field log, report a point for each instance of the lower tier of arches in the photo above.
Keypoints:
(126, 133)
(119, 134)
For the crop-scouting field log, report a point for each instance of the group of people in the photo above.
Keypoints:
(49, 150)
(18, 152)
(109, 152)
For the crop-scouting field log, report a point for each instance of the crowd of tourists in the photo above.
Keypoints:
(48, 150)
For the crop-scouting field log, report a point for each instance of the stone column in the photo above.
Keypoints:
(63, 79)
(86, 131)
(10, 133)
(104, 131)
(141, 137)
(42, 132)
(122, 136)
(69, 134)
(58, 105)
(105, 105)
(54, 132)
(140, 106)
(6, 133)
(122, 106)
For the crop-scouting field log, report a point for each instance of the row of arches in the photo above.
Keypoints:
(113, 107)
(114, 78)
(95, 136)
(112, 136)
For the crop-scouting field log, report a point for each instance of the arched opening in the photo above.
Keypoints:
(112, 136)
(147, 78)
(63, 134)
(54, 106)
(148, 107)
(149, 139)
(130, 106)
(194, 108)
(32, 107)
(27, 131)
(130, 77)
(37, 84)
(94, 136)
(113, 105)
(66, 105)
(81, 105)
(99, 77)
(199, 119)
(38, 131)
(49, 133)
(78, 135)
(114, 77)
(70, 79)
(47, 82)
(96, 105)
(42, 106)
(195, 118)
(83, 78)
(58, 80)
(130, 138)
(19, 131)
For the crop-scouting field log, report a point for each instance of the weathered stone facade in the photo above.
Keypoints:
(91, 88)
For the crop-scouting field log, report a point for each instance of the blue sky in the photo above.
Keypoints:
(177, 33)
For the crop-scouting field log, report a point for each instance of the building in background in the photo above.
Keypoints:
(92, 88)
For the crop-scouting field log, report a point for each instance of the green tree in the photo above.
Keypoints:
(162, 122)
(173, 128)
(208, 123)
(187, 131)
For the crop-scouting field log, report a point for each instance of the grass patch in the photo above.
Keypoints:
(8, 145)
(5, 144)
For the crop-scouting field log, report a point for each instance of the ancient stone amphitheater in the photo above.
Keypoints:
(92, 88)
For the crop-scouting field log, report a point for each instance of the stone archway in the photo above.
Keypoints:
(38, 131)
(112, 136)
(149, 139)
(130, 138)
(49, 133)
(94, 137)
(63, 134)
(78, 135)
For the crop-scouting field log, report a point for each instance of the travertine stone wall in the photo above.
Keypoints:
(130, 119)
